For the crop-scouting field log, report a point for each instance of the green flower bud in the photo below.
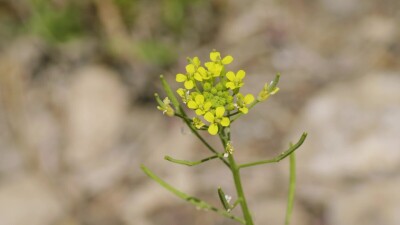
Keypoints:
(207, 86)
(230, 106)
(207, 95)
(219, 87)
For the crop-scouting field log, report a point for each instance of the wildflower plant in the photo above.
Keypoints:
(213, 94)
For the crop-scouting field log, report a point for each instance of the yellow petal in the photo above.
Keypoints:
(244, 110)
(202, 71)
(190, 68)
(209, 117)
(199, 112)
(276, 89)
(209, 65)
(230, 75)
(214, 56)
(213, 129)
(199, 99)
(189, 84)
(197, 123)
(240, 74)
(225, 121)
(196, 61)
(198, 77)
(217, 70)
(207, 106)
(180, 92)
(248, 99)
(219, 111)
(192, 104)
(230, 85)
(180, 77)
(227, 59)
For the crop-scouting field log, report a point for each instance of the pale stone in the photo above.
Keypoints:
(375, 202)
(96, 112)
(29, 200)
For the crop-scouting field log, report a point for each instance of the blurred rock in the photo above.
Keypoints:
(379, 30)
(353, 139)
(342, 7)
(376, 202)
(97, 107)
(148, 196)
(29, 200)
(272, 210)
(17, 64)
(353, 130)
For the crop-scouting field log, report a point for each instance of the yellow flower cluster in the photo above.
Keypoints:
(212, 92)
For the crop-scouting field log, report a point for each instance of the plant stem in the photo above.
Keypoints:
(193, 200)
(239, 189)
(225, 139)
(292, 187)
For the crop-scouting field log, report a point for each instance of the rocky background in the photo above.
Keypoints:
(77, 115)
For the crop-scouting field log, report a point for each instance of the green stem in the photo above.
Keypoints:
(239, 190)
(193, 200)
(204, 141)
(225, 138)
(292, 187)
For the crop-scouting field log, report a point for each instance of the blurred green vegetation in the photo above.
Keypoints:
(58, 22)
(55, 24)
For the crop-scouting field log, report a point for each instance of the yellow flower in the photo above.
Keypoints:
(214, 68)
(216, 119)
(184, 94)
(197, 123)
(204, 73)
(235, 81)
(242, 102)
(216, 57)
(199, 105)
(165, 106)
(189, 84)
(191, 75)
(229, 148)
(268, 90)
(195, 61)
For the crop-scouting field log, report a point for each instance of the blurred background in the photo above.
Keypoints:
(77, 115)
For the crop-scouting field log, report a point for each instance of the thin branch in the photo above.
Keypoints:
(204, 141)
(200, 204)
(192, 163)
(283, 155)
